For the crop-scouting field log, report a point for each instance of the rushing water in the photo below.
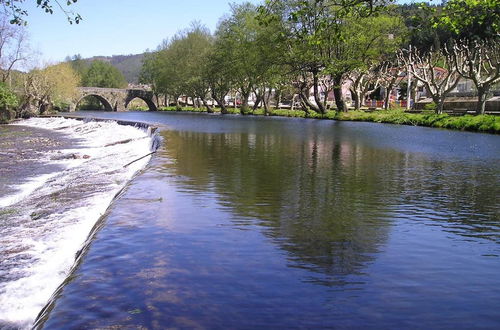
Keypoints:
(58, 177)
(244, 222)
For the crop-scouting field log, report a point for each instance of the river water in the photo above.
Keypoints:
(244, 222)
(58, 177)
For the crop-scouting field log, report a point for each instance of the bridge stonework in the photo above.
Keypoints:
(115, 99)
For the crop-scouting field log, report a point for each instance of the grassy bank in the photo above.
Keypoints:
(483, 123)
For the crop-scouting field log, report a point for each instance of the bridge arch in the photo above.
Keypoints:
(151, 105)
(107, 105)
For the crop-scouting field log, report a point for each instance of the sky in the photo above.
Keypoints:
(118, 27)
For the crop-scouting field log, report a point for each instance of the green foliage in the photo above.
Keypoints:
(430, 106)
(472, 19)
(420, 19)
(179, 66)
(7, 98)
(103, 74)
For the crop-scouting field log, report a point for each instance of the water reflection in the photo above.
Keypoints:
(331, 201)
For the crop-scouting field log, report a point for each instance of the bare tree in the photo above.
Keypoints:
(363, 83)
(390, 76)
(13, 47)
(478, 61)
(435, 69)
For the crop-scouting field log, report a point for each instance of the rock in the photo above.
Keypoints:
(6, 115)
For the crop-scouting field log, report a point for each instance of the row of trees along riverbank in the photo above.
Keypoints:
(308, 50)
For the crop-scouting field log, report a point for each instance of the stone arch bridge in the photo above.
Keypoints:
(114, 99)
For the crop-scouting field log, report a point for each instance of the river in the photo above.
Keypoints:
(247, 222)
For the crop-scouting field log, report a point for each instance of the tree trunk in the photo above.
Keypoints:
(337, 93)
(356, 96)
(258, 98)
(266, 106)
(266, 101)
(306, 104)
(339, 99)
(482, 94)
(439, 101)
(209, 108)
(317, 99)
(387, 96)
(244, 102)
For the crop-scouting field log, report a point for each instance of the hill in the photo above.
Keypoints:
(129, 65)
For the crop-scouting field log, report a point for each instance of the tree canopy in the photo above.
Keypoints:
(103, 74)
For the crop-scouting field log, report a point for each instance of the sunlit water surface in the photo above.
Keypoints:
(244, 222)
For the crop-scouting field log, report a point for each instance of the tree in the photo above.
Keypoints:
(17, 12)
(249, 50)
(78, 64)
(478, 61)
(7, 98)
(218, 75)
(390, 72)
(103, 74)
(363, 84)
(197, 46)
(435, 69)
(328, 40)
(149, 73)
(53, 86)
(366, 42)
(472, 19)
(14, 48)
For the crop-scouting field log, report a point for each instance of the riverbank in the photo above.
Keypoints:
(482, 123)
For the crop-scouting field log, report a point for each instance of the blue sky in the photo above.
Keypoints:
(116, 27)
(112, 27)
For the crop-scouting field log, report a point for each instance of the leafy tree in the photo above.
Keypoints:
(53, 86)
(326, 41)
(420, 20)
(103, 74)
(249, 51)
(366, 42)
(218, 75)
(149, 72)
(196, 47)
(78, 64)
(8, 98)
(472, 19)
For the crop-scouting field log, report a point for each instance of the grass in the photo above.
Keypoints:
(482, 123)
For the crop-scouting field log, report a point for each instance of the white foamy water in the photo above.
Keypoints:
(47, 219)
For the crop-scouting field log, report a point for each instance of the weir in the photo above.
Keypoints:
(47, 215)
